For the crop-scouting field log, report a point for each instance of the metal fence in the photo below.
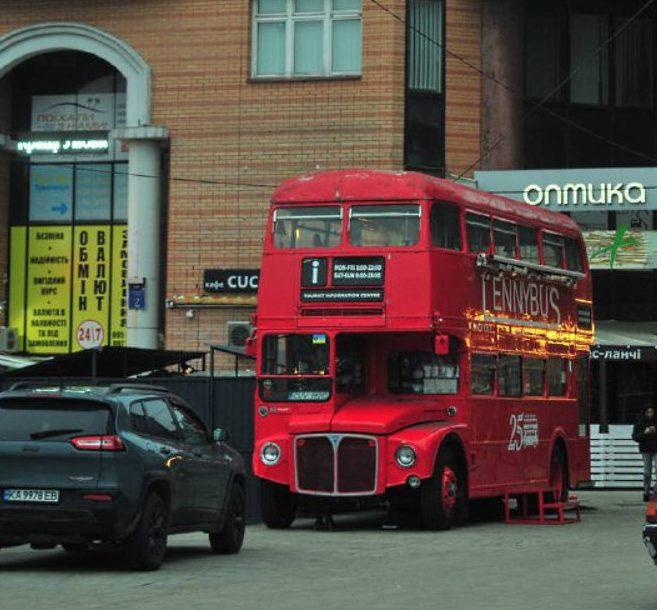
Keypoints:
(220, 402)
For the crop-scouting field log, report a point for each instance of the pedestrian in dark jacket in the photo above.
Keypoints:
(645, 433)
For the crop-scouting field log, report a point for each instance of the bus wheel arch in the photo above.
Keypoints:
(443, 497)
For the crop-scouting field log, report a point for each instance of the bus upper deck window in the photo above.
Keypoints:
(308, 227)
(553, 250)
(384, 225)
(504, 238)
(573, 255)
(445, 226)
(478, 230)
(528, 244)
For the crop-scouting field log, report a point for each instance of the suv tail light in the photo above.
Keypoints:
(98, 443)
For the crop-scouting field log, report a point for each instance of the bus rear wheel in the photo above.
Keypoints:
(277, 504)
(442, 497)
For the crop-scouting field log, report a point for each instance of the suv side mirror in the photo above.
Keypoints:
(219, 435)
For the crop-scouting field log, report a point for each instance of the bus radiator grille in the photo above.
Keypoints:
(356, 465)
(315, 464)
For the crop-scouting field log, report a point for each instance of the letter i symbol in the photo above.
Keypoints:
(315, 276)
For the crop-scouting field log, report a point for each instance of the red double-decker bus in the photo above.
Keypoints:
(420, 343)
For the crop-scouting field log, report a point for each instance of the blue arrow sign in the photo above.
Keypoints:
(61, 208)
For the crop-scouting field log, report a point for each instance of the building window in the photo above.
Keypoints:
(300, 38)
(608, 86)
(625, 296)
(424, 133)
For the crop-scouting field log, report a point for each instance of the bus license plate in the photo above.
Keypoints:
(39, 496)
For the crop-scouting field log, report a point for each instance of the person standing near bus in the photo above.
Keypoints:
(645, 433)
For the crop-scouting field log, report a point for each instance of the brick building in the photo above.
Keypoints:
(211, 105)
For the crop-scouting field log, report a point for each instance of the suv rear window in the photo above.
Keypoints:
(53, 420)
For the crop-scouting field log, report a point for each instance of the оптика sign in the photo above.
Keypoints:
(608, 189)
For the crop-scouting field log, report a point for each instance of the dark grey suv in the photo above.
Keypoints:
(123, 464)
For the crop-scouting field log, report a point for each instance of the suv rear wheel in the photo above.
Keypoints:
(146, 548)
(228, 540)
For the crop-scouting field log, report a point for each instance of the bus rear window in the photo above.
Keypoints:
(308, 227)
(384, 225)
(296, 355)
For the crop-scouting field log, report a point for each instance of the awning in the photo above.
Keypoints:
(238, 352)
(625, 341)
(108, 362)
(14, 362)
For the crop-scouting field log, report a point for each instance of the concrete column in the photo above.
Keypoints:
(503, 56)
(144, 235)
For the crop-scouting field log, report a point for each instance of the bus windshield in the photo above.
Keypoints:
(297, 368)
(296, 355)
(308, 227)
(384, 225)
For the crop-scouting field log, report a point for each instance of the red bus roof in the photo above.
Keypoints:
(374, 185)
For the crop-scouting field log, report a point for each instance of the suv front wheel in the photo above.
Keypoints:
(146, 548)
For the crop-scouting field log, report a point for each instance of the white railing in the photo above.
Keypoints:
(615, 458)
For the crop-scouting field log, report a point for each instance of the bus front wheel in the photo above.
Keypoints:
(278, 505)
(442, 497)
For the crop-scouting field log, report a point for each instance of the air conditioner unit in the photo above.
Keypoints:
(238, 333)
(8, 339)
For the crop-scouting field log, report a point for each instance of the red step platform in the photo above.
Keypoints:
(549, 512)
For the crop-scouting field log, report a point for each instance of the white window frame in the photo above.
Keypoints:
(328, 16)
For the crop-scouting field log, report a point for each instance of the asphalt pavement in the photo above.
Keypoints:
(599, 563)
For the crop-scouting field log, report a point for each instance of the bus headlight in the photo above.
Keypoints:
(405, 456)
(270, 454)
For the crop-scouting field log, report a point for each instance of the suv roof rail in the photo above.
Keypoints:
(117, 388)
(26, 385)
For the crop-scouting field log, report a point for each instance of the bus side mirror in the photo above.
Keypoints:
(441, 345)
